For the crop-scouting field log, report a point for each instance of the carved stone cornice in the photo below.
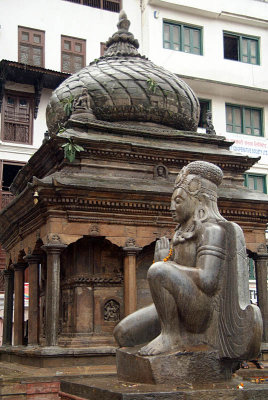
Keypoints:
(93, 280)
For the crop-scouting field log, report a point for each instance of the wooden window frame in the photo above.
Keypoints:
(181, 44)
(255, 176)
(31, 44)
(6, 193)
(240, 38)
(242, 109)
(30, 97)
(107, 5)
(72, 52)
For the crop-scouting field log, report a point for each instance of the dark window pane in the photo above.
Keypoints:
(231, 47)
(10, 100)
(9, 173)
(23, 102)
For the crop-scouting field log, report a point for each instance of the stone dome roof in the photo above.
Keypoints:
(122, 85)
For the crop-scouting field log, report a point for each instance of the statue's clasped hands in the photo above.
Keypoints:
(163, 250)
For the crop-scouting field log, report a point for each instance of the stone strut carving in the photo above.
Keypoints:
(199, 285)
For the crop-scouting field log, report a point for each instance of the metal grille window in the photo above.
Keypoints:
(256, 182)
(182, 38)
(243, 119)
(73, 54)
(17, 118)
(109, 5)
(31, 46)
(241, 48)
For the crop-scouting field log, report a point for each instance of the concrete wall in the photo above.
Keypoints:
(210, 75)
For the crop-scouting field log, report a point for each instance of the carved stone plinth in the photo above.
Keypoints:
(110, 388)
(199, 366)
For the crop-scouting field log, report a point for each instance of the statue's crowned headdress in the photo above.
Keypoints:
(207, 177)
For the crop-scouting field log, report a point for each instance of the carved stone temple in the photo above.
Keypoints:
(83, 232)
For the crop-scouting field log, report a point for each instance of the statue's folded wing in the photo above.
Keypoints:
(240, 323)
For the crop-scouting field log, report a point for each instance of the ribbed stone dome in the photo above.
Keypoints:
(124, 86)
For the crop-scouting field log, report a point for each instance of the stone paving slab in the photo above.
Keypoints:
(18, 372)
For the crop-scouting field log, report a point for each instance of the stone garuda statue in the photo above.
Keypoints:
(198, 282)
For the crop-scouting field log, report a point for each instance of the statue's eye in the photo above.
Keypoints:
(178, 200)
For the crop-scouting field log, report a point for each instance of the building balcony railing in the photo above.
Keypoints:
(109, 5)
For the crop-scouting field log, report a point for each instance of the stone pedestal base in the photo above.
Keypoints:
(110, 388)
(199, 366)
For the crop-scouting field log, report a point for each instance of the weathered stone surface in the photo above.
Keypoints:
(110, 388)
(196, 366)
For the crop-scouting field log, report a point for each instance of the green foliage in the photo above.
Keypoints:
(70, 149)
(61, 128)
(68, 105)
(152, 85)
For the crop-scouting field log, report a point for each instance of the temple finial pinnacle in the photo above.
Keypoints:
(123, 23)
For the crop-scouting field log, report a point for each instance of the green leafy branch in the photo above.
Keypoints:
(152, 85)
(68, 105)
(70, 149)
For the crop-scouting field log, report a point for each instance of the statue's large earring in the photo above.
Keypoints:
(201, 213)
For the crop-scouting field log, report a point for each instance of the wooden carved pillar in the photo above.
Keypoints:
(261, 259)
(53, 250)
(8, 307)
(19, 268)
(34, 260)
(130, 281)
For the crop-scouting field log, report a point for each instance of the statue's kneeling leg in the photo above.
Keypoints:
(137, 328)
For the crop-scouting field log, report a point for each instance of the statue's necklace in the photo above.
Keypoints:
(182, 235)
